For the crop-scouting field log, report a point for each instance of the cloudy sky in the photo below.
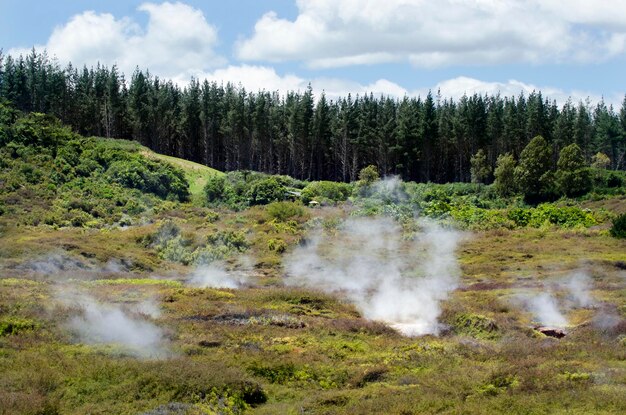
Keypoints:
(564, 48)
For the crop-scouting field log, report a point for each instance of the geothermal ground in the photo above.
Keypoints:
(351, 315)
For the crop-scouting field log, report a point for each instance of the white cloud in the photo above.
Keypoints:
(331, 33)
(457, 87)
(255, 78)
(176, 42)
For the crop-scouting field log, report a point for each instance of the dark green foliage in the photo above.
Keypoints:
(137, 172)
(618, 230)
(504, 174)
(573, 178)
(480, 168)
(563, 216)
(234, 240)
(78, 181)
(533, 173)
(427, 139)
(240, 189)
(43, 130)
(215, 189)
(266, 191)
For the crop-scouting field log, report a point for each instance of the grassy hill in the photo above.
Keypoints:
(196, 174)
(125, 289)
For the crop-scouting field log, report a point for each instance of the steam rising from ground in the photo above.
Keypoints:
(215, 275)
(388, 277)
(102, 323)
(578, 286)
(547, 310)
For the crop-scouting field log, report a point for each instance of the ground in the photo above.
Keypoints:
(266, 348)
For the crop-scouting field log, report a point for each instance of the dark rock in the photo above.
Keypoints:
(555, 332)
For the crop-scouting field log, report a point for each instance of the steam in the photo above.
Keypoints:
(149, 308)
(579, 286)
(105, 323)
(389, 189)
(398, 281)
(545, 309)
(215, 275)
(548, 311)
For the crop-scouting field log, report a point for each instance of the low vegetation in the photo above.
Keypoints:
(102, 230)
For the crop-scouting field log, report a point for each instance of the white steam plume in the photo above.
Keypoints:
(215, 275)
(545, 310)
(389, 279)
(100, 323)
(578, 285)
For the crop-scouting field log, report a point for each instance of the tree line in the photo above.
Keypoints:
(423, 139)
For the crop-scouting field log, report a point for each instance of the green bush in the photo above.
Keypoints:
(14, 326)
(475, 325)
(266, 191)
(326, 191)
(277, 245)
(163, 180)
(618, 230)
(284, 211)
(233, 240)
(567, 216)
(215, 190)
(479, 218)
(520, 217)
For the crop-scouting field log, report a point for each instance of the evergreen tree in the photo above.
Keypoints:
(533, 172)
(504, 174)
(572, 176)
(480, 169)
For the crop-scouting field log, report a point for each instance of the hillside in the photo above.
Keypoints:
(137, 283)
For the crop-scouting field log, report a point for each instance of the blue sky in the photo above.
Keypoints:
(565, 48)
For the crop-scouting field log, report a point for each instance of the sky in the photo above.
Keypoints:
(565, 48)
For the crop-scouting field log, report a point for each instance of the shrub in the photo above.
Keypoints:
(266, 191)
(277, 245)
(326, 190)
(567, 216)
(283, 211)
(215, 189)
(235, 240)
(162, 179)
(618, 230)
(369, 174)
(475, 325)
(14, 326)
(520, 217)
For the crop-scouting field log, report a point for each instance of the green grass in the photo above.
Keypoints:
(196, 174)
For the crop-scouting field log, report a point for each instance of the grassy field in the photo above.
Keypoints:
(108, 320)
